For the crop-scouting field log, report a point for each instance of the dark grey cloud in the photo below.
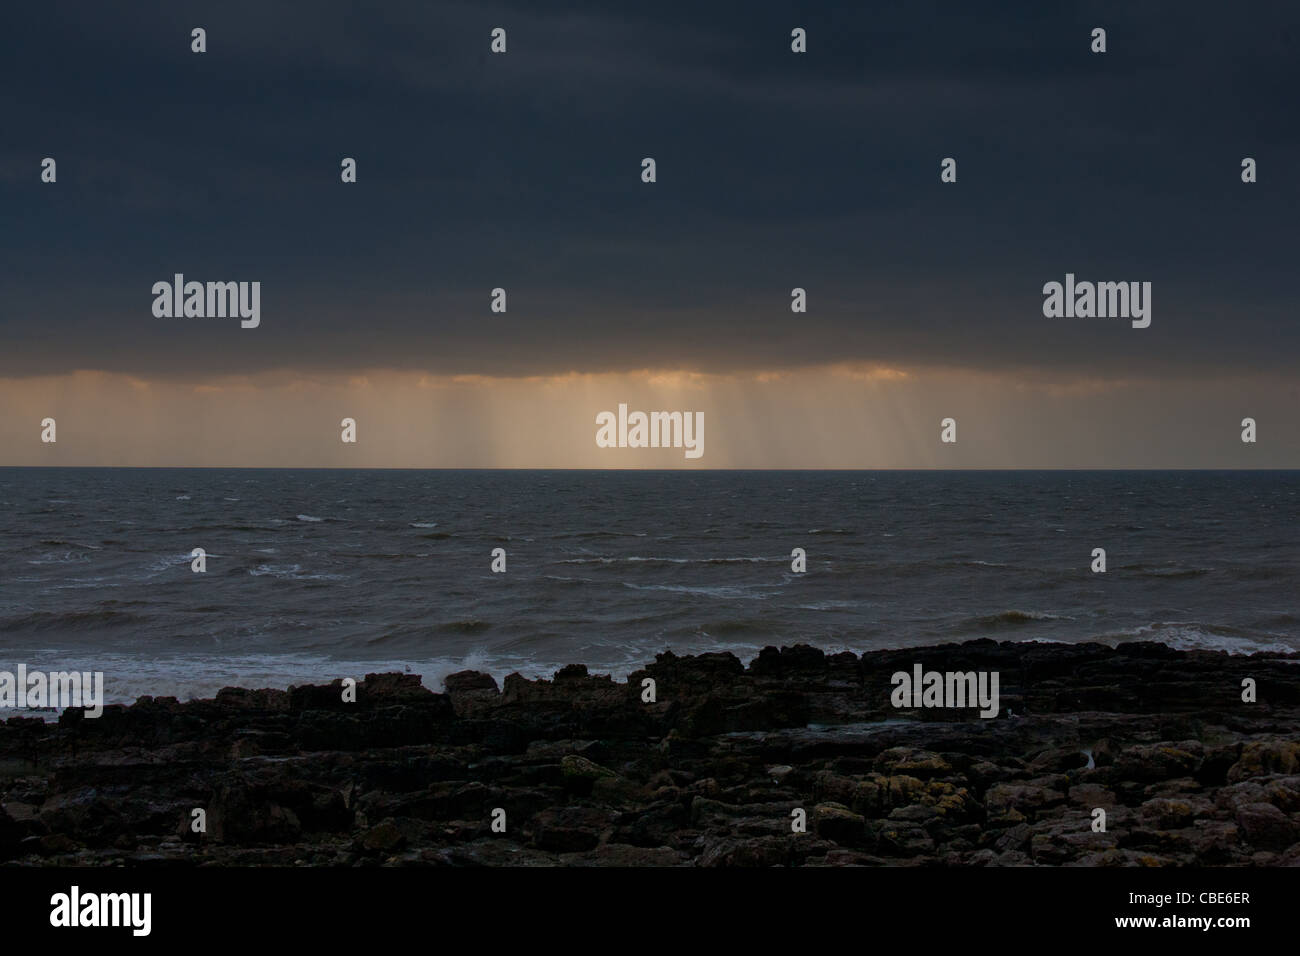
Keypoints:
(522, 171)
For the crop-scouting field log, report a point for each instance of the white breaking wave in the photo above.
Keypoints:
(293, 571)
(1200, 637)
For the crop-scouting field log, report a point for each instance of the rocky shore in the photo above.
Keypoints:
(709, 774)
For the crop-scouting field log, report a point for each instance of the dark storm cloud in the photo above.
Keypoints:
(522, 171)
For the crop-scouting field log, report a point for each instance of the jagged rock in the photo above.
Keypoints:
(1264, 825)
(836, 822)
(569, 829)
(384, 837)
(1145, 763)
(581, 769)
(1166, 813)
(588, 774)
(1014, 802)
(756, 851)
(1260, 757)
(912, 762)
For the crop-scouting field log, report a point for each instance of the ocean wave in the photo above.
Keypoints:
(68, 557)
(909, 566)
(418, 636)
(720, 590)
(659, 560)
(72, 620)
(1011, 617)
(383, 555)
(310, 518)
(742, 625)
(1270, 572)
(424, 524)
(737, 560)
(262, 569)
(168, 561)
(1198, 636)
(293, 572)
(197, 528)
(470, 626)
(1284, 618)
(81, 585)
(602, 534)
(1164, 571)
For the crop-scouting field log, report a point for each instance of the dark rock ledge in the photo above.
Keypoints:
(708, 775)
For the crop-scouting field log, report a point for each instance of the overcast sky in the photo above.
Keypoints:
(775, 170)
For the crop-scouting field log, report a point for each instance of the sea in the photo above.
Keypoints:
(317, 574)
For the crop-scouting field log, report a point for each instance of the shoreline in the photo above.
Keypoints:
(282, 671)
(712, 772)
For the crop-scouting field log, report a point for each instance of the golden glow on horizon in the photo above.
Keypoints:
(846, 415)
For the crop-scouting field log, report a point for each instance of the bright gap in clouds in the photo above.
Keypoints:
(848, 415)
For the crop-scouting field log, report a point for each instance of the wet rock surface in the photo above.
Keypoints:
(581, 771)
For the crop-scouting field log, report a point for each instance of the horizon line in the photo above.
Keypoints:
(655, 470)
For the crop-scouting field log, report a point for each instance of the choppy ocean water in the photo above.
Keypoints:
(313, 575)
